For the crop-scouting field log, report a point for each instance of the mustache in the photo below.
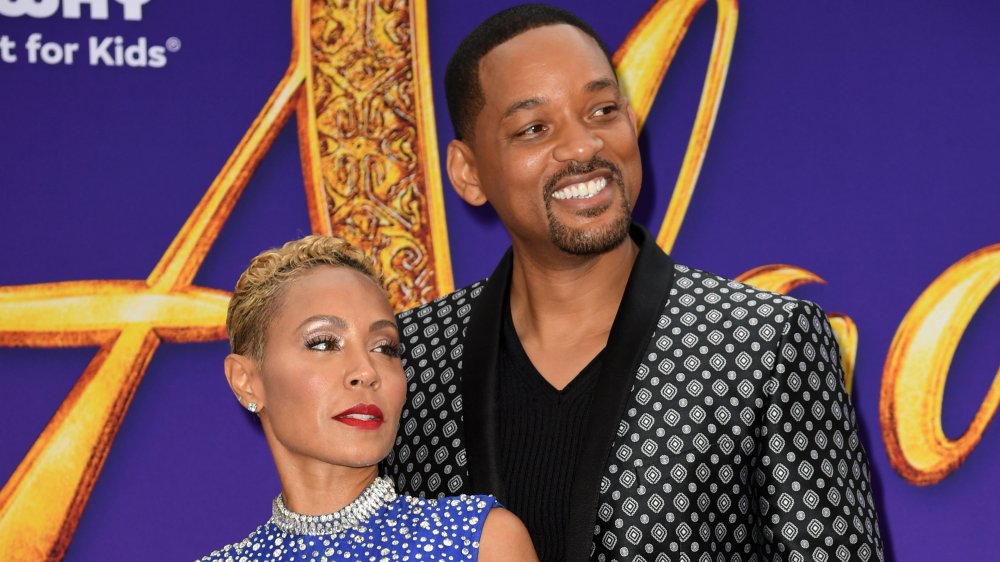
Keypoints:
(578, 169)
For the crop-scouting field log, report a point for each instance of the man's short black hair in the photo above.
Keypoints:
(461, 78)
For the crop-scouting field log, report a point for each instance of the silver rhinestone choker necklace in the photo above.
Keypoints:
(351, 516)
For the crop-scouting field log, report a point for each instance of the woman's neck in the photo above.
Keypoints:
(313, 489)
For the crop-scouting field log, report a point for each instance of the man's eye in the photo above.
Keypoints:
(323, 343)
(606, 110)
(531, 130)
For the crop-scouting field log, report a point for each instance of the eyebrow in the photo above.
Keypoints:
(530, 103)
(379, 324)
(521, 106)
(600, 84)
(337, 321)
(340, 323)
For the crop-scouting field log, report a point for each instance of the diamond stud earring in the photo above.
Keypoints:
(252, 407)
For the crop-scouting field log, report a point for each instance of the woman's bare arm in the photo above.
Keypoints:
(505, 539)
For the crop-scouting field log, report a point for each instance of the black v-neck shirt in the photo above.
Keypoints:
(540, 430)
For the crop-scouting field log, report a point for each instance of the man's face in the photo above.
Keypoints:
(554, 149)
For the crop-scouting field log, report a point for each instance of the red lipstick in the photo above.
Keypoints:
(362, 416)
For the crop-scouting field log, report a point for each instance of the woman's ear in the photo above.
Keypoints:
(462, 171)
(243, 375)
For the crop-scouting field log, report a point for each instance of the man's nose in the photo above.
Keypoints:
(577, 142)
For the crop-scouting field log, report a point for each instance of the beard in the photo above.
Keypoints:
(589, 241)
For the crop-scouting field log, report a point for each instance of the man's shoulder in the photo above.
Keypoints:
(702, 294)
(444, 305)
(433, 326)
(726, 317)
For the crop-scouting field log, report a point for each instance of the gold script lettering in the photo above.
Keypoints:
(917, 367)
(642, 62)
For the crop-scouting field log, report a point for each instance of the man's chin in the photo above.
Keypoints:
(589, 241)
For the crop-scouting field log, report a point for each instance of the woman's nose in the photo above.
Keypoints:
(363, 372)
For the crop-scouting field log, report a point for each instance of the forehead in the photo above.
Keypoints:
(554, 56)
(329, 289)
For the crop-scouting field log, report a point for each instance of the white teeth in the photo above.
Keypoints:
(360, 417)
(581, 190)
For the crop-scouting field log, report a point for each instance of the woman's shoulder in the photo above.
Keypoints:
(476, 527)
(467, 505)
(446, 528)
(239, 551)
(453, 515)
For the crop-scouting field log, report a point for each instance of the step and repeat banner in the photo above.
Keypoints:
(841, 152)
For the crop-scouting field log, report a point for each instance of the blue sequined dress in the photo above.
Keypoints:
(378, 526)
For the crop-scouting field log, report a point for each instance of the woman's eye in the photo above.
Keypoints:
(323, 344)
(390, 349)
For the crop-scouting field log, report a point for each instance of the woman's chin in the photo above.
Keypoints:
(358, 458)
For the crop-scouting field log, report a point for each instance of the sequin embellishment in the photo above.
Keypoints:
(373, 498)
(403, 528)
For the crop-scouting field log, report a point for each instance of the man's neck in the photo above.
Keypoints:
(563, 309)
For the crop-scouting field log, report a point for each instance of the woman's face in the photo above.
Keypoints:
(332, 378)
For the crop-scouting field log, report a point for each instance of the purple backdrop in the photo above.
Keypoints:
(856, 141)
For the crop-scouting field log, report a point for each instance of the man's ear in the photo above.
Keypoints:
(243, 375)
(632, 117)
(462, 171)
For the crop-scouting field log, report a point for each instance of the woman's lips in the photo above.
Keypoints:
(362, 416)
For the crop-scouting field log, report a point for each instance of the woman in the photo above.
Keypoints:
(316, 355)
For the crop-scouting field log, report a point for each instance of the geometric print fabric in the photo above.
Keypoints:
(738, 441)
(429, 456)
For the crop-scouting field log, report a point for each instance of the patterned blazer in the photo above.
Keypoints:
(720, 427)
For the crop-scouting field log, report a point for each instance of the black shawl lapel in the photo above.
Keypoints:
(645, 295)
(479, 382)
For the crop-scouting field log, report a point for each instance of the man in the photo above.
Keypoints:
(625, 407)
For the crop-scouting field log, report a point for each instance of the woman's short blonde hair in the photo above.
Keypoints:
(256, 297)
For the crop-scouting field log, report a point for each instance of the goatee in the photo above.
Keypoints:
(588, 242)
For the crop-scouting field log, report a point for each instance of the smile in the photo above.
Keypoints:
(361, 416)
(582, 190)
